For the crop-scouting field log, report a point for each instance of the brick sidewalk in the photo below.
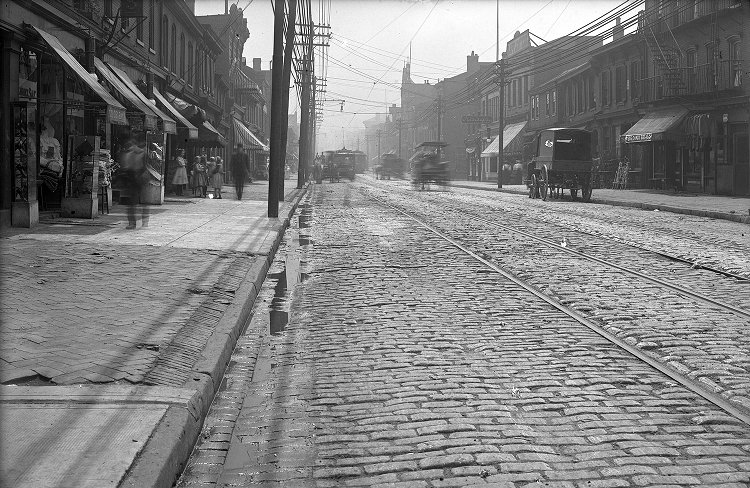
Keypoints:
(115, 340)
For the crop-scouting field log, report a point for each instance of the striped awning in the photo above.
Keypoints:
(245, 135)
(168, 124)
(510, 132)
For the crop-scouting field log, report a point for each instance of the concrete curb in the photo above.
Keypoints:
(164, 456)
(645, 206)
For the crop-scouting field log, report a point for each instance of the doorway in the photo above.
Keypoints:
(741, 159)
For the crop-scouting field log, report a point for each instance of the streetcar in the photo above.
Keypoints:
(427, 166)
(390, 166)
(562, 161)
(339, 164)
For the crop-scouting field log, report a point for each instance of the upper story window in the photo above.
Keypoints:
(182, 55)
(605, 88)
(546, 105)
(108, 9)
(554, 102)
(620, 92)
(173, 50)
(164, 41)
(151, 26)
(190, 63)
(735, 62)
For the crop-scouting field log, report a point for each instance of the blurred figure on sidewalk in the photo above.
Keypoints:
(216, 175)
(240, 170)
(180, 179)
(133, 168)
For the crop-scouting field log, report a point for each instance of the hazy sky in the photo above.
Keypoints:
(371, 38)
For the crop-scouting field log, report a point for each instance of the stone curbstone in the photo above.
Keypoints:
(164, 456)
(744, 219)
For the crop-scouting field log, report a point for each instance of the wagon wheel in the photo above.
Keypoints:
(530, 185)
(574, 194)
(544, 184)
(534, 189)
(586, 192)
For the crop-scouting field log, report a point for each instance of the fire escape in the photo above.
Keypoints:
(668, 80)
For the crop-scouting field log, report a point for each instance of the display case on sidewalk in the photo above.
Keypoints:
(81, 196)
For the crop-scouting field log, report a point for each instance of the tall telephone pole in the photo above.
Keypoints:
(304, 130)
(379, 132)
(278, 119)
(501, 124)
(439, 122)
(400, 123)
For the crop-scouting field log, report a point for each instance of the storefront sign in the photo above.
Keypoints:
(638, 137)
(476, 119)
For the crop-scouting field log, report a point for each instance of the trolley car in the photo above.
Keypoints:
(427, 166)
(563, 161)
(339, 164)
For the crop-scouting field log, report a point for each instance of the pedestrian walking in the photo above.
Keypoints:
(240, 170)
(180, 178)
(216, 175)
(133, 175)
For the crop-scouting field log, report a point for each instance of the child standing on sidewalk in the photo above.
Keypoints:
(216, 172)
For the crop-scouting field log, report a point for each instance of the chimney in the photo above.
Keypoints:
(617, 31)
(256, 64)
(226, 7)
(472, 62)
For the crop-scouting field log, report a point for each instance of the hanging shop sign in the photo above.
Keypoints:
(638, 137)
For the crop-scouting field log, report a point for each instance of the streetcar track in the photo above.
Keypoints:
(694, 386)
(695, 263)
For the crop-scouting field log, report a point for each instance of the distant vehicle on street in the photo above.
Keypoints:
(339, 164)
(428, 167)
(562, 160)
(390, 166)
(360, 162)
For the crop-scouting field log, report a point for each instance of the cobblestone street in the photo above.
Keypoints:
(379, 354)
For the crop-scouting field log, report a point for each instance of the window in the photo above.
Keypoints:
(620, 84)
(525, 97)
(735, 63)
(108, 9)
(190, 63)
(164, 41)
(173, 50)
(197, 67)
(605, 88)
(139, 28)
(634, 80)
(151, 24)
(182, 55)
(546, 105)
(554, 102)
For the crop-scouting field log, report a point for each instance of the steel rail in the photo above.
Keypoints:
(691, 385)
(695, 295)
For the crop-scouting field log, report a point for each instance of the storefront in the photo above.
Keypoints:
(655, 150)
(145, 128)
(512, 151)
(186, 134)
(253, 147)
(59, 116)
(210, 142)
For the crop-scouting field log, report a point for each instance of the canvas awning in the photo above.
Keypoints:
(149, 117)
(168, 123)
(115, 111)
(208, 134)
(510, 132)
(654, 125)
(245, 135)
(181, 120)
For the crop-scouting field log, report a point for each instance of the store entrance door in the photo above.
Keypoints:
(741, 160)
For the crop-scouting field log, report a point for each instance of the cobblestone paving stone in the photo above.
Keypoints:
(708, 344)
(404, 363)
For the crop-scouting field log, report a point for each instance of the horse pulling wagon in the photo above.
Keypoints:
(390, 166)
(427, 166)
(563, 160)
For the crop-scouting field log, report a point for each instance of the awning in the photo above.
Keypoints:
(127, 94)
(168, 123)
(187, 109)
(209, 135)
(655, 125)
(115, 110)
(510, 132)
(245, 135)
(181, 120)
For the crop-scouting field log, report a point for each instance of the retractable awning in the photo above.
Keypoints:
(168, 123)
(208, 134)
(149, 117)
(655, 125)
(242, 133)
(115, 111)
(181, 120)
(510, 132)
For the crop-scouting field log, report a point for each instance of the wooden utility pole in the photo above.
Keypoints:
(278, 118)
(288, 46)
(304, 128)
(501, 125)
